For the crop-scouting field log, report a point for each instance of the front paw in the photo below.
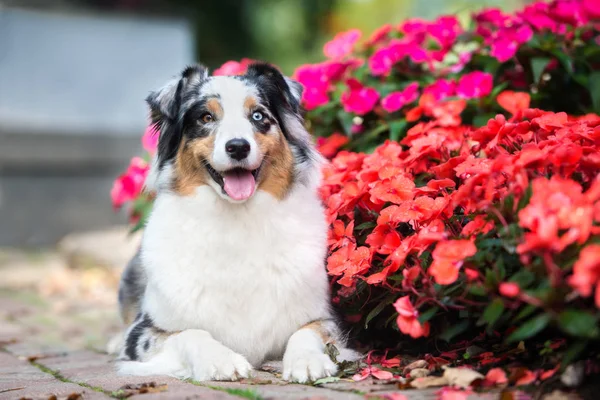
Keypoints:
(218, 363)
(307, 366)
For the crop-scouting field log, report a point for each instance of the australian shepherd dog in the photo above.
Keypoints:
(231, 269)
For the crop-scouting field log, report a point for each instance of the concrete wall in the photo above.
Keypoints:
(72, 112)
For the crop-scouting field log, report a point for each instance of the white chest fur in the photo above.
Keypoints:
(250, 274)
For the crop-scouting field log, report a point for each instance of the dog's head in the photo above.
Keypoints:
(236, 134)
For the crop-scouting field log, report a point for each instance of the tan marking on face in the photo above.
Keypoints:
(277, 173)
(250, 104)
(214, 106)
(189, 171)
(318, 327)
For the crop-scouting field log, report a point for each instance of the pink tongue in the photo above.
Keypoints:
(239, 185)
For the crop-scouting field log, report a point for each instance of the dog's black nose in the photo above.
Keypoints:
(238, 149)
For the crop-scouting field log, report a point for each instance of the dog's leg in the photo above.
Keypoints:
(192, 353)
(305, 359)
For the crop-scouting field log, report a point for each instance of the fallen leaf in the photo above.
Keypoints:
(573, 375)
(391, 362)
(75, 396)
(329, 379)
(419, 373)
(558, 395)
(522, 376)
(496, 376)
(414, 365)
(379, 374)
(429, 381)
(461, 377)
(549, 373)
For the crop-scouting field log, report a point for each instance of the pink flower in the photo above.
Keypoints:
(150, 138)
(382, 61)
(379, 35)
(129, 185)
(504, 49)
(233, 67)
(407, 319)
(509, 289)
(396, 100)
(441, 89)
(476, 84)
(445, 30)
(591, 8)
(316, 85)
(414, 26)
(359, 99)
(342, 44)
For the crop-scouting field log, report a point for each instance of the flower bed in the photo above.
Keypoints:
(464, 213)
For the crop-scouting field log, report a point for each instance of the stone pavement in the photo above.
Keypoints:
(56, 315)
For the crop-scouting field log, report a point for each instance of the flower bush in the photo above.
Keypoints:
(376, 90)
(463, 190)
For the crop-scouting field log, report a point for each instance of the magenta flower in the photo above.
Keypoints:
(475, 85)
(379, 35)
(504, 49)
(396, 100)
(316, 85)
(129, 185)
(441, 89)
(414, 26)
(445, 30)
(150, 138)
(342, 44)
(383, 59)
(591, 8)
(359, 99)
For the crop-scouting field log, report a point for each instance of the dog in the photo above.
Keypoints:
(231, 269)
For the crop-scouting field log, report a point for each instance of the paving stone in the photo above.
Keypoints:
(288, 391)
(19, 379)
(184, 390)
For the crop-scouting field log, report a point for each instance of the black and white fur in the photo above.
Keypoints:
(219, 286)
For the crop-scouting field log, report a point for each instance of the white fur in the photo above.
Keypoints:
(305, 359)
(192, 353)
(248, 274)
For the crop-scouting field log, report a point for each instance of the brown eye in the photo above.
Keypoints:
(206, 118)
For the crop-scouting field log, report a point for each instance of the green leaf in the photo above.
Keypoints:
(493, 311)
(524, 201)
(538, 65)
(396, 129)
(525, 312)
(482, 120)
(498, 89)
(427, 315)
(530, 328)
(346, 121)
(365, 225)
(332, 351)
(378, 309)
(524, 278)
(329, 379)
(477, 290)
(573, 352)
(457, 329)
(594, 87)
(578, 323)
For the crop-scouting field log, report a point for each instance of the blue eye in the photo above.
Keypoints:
(257, 116)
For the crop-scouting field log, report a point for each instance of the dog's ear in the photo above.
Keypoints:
(284, 95)
(271, 78)
(165, 105)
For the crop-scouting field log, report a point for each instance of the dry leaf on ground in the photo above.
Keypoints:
(461, 377)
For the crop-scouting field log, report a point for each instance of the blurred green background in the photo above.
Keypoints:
(288, 32)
